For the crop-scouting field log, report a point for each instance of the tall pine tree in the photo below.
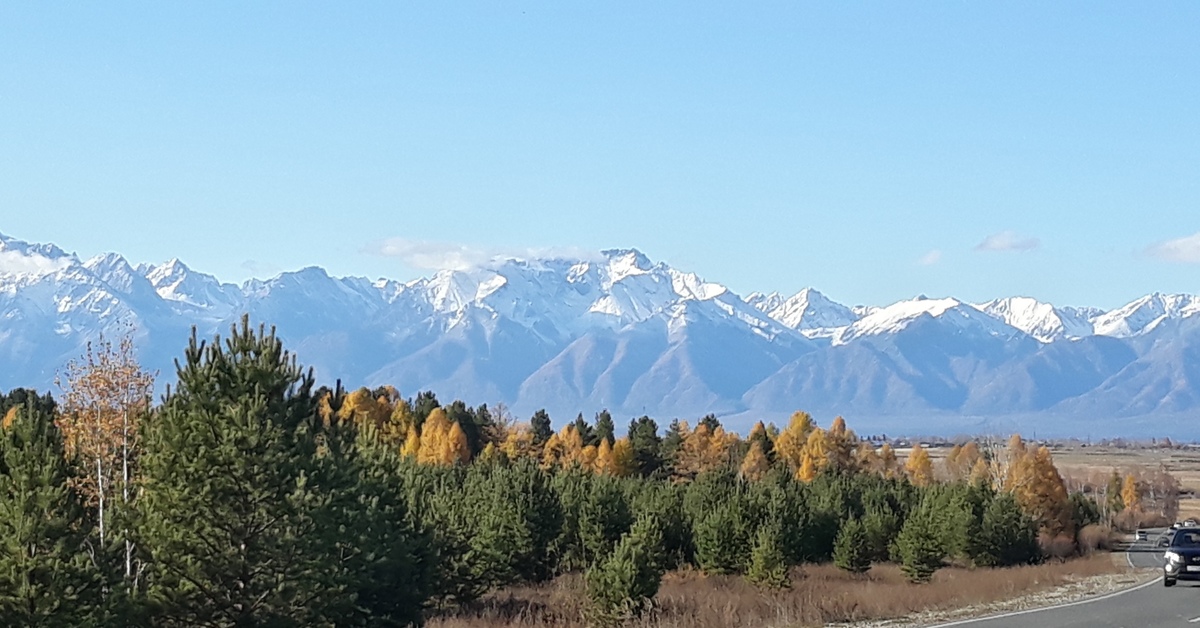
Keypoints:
(239, 514)
(46, 578)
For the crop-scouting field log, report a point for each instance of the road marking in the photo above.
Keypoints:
(1109, 596)
(1193, 620)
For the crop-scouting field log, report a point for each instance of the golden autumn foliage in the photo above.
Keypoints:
(1130, 495)
(789, 447)
(867, 460)
(604, 458)
(703, 449)
(360, 407)
(103, 394)
(918, 466)
(888, 463)
(412, 443)
(840, 444)
(1039, 488)
(755, 465)
(816, 448)
(981, 473)
(441, 441)
(961, 461)
(623, 464)
(518, 443)
(9, 417)
(565, 449)
(456, 448)
(808, 468)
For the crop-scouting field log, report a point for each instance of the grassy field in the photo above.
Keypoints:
(820, 595)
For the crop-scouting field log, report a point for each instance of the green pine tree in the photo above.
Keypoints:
(852, 550)
(622, 585)
(46, 578)
(1007, 535)
(768, 565)
(540, 427)
(605, 427)
(388, 553)
(643, 436)
(245, 490)
(918, 547)
(721, 543)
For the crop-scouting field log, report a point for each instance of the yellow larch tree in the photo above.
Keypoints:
(604, 458)
(588, 457)
(455, 448)
(981, 473)
(518, 443)
(435, 431)
(867, 460)
(840, 445)
(1130, 495)
(623, 464)
(816, 448)
(918, 466)
(9, 417)
(703, 449)
(755, 465)
(412, 443)
(808, 468)
(888, 463)
(565, 449)
(360, 407)
(1041, 491)
(789, 447)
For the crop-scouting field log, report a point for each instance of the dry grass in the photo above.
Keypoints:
(819, 595)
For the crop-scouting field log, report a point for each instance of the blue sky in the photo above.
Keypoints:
(875, 151)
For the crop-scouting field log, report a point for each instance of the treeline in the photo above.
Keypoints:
(251, 497)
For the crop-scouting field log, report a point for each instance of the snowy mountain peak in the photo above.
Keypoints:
(898, 316)
(1043, 321)
(30, 262)
(1145, 314)
(624, 263)
(811, 312)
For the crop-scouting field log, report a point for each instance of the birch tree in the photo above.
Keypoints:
(105, 392)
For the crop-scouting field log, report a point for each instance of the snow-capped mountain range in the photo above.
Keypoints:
(638, 337)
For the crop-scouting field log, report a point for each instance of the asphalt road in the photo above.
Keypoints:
(1146, 606)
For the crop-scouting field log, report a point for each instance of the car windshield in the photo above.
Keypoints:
(1186, 538)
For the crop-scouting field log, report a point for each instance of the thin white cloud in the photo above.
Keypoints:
(431, 255)
(930, 258)
(1008, 241)
(1184, 250)
(260, 269)
(18, 263)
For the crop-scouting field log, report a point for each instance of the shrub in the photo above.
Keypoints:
(918, 547)
(1059, 546)
(721, 546)
(851, 551)
(768, 565)
(1007, 536)
(623, 584)
(1095, 537)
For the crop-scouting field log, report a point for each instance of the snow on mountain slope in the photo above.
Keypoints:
(617, 330)
(1041, 320)
(1145, 314)
(808, 312)
(896, 317)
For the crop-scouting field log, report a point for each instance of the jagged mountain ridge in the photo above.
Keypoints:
(622, 332)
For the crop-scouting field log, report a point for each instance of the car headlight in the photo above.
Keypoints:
(1173, 557)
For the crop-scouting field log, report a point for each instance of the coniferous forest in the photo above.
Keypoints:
(249, 496)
